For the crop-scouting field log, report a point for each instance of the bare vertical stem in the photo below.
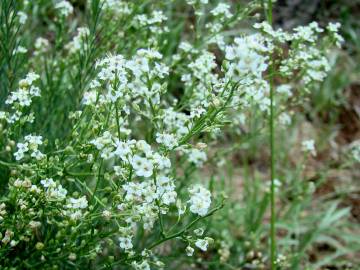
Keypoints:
(272, 152)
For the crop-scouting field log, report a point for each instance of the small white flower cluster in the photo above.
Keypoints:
(116, 7)
(305, 56)
(200, 200)
(7, 237)
(141, 197)
(194, 2)
(196, 156)
(176, 122)
(285, 119)
(168, 140)
(247, 61)
(22, 17)
(41, 45)
(222, 10)
(78, 43)
(153, 21)
(284, 89)
(31, 144)
(125, 243)
(144, 265)
(53, 190)
(202, 244)
(138, 154)
(202, 76)
(217, 26)
(247, 57)
(20, 50)
(22, 98)
(2, 211)
(307, 33)
(333, 29)
(65, 8)
(309, 59)
(129, 79)
(308, 146)
(25, 92)
(75, 207)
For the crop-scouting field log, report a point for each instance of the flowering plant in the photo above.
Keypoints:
(106, 118)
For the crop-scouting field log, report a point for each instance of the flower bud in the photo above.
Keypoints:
(39, 246)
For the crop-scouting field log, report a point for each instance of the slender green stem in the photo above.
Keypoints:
(272, 151)
(187, 227)
(117, 120)
(91, 193)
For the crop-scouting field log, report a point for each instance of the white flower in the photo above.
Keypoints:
(58, 193)
(245, 60)
(333, 27)
(65, 8)
(49, 182)
(22, 17)
(200, 200)
(144, 265)
(20, 49)
(169, 197)
(222, 9)
(189, 251)
(199, 231)
(89, 98)
(162, 162)
(125, 243)
(285, 89)
(307, 33)
(23, 96)
(185, 46)
(142, 166)
(37, 154)
(122, 149)
(168, 140)
(34, 224)
(107, 214)
(78, 43)
(284, 119)
(197, 157)
(80, 203)
(309, 146)
(41, 44)
(102, 141)
(144, 147)
(197, 112)
(22, 148)
(202, 244)
(34, 141)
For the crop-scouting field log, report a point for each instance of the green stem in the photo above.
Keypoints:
(117, 120)
(272, 151)
(189, 226)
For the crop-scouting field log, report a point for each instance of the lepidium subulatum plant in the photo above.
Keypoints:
(102, 136)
